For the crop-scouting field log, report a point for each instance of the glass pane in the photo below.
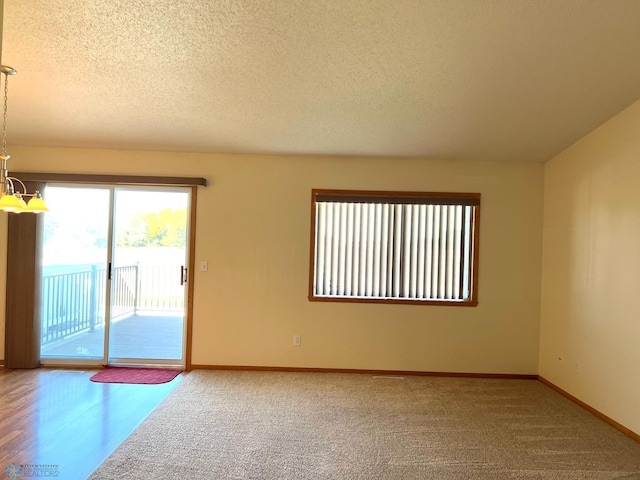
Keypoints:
(74, 273)
(147, 298)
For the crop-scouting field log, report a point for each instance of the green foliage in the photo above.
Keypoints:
(166, 228)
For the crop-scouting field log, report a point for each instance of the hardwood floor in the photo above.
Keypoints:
(59, 418)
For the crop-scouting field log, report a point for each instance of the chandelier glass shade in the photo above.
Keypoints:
(12, 190)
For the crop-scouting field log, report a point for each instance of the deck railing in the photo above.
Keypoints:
(74, 302)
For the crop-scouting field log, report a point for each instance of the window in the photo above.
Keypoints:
(394, 247)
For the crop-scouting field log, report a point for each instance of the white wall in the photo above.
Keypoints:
(590, 325)
(254, 227)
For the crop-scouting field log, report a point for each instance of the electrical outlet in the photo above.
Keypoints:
(296, 340)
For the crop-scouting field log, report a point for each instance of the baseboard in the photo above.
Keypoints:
(510, 376)
(590, 409)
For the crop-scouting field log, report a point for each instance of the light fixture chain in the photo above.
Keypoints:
(10, 200)
(4, 118)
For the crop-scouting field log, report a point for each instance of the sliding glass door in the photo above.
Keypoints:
(148, 276)
(74, 282)
(113, 276)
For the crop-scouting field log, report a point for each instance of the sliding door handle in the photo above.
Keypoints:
(183, 274)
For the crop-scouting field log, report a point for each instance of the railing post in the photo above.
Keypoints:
(136, 288)
(93, 298)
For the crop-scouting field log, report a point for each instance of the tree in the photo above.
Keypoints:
(166, 228)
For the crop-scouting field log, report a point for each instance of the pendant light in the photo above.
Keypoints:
(11, 198)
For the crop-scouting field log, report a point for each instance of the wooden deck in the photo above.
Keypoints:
(142, 336)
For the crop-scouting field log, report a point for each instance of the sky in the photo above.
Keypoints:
(78, 218)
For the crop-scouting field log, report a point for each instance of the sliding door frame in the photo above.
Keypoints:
(25, 340)
(110, 358)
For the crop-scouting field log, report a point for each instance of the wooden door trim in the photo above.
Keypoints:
(191, 277)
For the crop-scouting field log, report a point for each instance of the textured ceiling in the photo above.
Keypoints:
(471, 79)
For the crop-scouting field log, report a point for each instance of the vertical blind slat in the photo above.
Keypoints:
(428, 253)
(435, 255)
(321, 232)
(406, 264)
(328, 251)
(397, 241)
(356, 248)
(377, 240)
(442, 271)
(415, 217)
(390, 249)
(342, 249)
(467, 250)
(371, 227)
(349, 252)
(335, 248)
(364, 233)
(384, 250)
(422, 212)
(450, 250)
(456, 253)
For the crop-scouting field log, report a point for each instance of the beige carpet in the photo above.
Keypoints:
(266, 425)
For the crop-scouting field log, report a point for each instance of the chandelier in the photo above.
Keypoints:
(13, 190)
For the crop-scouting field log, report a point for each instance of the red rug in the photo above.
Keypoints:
(135, 375)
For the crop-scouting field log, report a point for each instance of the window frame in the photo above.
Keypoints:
(399, 197)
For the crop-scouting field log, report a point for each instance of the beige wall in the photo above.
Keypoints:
(590, 326)
(253, 228)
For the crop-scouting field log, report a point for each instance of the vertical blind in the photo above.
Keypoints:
(394, 248)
